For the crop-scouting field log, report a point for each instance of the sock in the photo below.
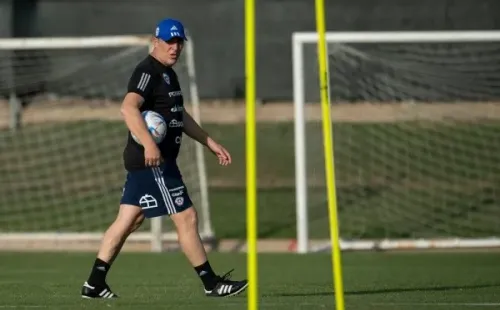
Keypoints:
(99, 272)
(206, 275)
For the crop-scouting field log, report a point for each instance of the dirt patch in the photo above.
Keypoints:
(227, 112)
(65, 245)
(224, 246)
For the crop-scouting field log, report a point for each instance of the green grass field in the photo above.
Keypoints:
(406, 281)
(414, 179)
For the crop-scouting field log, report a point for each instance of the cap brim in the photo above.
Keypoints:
(171, 37)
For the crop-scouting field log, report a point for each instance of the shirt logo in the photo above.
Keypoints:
(177, 108)
(175, 124)
(166, 78)
(175, 93)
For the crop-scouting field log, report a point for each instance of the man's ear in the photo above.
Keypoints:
(155, 42)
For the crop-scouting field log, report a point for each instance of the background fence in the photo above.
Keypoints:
(217, 29)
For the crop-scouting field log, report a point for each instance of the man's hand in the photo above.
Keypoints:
(152, 155)
(219, 151)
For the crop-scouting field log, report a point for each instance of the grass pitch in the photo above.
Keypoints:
(406, 281)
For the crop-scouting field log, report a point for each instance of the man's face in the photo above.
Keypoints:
(170, 50)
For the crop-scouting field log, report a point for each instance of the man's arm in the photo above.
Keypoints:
(140, 86)
(134, 120)
(193, 130)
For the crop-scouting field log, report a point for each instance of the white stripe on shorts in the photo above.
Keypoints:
(162, 180)
(164, 190)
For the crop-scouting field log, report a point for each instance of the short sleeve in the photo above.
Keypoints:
(141, 82)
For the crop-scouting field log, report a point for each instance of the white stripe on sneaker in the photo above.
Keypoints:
(224, 289)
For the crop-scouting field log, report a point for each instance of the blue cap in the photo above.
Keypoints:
(170, 28)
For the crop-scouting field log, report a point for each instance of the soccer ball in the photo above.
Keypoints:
(156, 125)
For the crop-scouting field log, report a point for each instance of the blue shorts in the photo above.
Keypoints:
(157, 191)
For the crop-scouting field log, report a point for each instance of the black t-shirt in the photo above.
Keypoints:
(160, 88)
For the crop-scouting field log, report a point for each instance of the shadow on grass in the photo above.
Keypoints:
(391, 290)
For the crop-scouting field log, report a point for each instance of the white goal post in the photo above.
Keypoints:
(440, 195)
(93, 71)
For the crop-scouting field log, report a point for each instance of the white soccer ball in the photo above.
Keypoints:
(156, 125)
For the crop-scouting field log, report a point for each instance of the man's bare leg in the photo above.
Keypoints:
(129, 219)
(186, 223)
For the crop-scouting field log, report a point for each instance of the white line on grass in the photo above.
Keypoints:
(440, 304)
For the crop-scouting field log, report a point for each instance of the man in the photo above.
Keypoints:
(152, 172)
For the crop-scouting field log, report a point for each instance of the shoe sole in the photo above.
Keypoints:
(238, 291)
(232, 294)
(87, 297)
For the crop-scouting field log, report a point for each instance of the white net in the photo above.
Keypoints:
(416, 140)
(62, 171)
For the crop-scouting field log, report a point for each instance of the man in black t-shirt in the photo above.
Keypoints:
(154, 185)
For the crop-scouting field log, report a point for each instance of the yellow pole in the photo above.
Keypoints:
(329, 155)
(251, 155)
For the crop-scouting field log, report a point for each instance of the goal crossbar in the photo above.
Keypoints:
(73, 42)
(299, 39)
(398, 36)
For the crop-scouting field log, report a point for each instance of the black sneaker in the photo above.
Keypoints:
(89, 291)
(225, 287)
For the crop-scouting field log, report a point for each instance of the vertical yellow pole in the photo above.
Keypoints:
(329, 154)
(251, 173)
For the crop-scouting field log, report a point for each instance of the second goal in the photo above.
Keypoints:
(416, 117)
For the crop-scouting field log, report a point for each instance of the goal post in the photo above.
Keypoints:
(62, 165)
(415, 116)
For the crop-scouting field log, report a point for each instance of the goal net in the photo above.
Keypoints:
(61, 161)
(416, 117)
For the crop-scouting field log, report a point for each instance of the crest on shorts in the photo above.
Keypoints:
(179, 201)
(148, 202)
(166, 78)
